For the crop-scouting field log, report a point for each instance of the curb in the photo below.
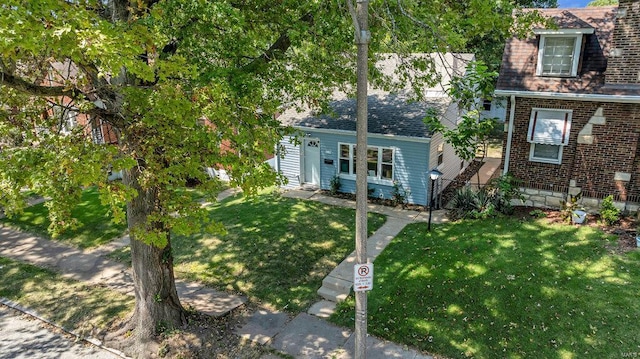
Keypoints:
(95, 342)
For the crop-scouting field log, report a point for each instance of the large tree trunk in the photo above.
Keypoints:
(157, 303)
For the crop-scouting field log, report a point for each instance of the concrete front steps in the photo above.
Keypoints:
(337, 285)
(335, 289)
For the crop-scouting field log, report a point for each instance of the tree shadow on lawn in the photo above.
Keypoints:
(504, 288)
(275, 250)
(75, 306)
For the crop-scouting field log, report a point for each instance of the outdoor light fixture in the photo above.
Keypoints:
(434, 174)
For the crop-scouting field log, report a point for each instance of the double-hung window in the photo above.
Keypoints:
(548, 133)
(379, 161)
(559, 51)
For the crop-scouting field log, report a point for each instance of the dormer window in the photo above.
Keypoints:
(559, 51)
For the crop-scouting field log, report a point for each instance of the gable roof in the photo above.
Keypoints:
(519, 61)
(393, 114)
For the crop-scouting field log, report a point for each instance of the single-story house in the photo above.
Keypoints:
(573, 105)
(401, 148)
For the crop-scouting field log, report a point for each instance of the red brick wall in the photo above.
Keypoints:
(624, 68)
(592, 166)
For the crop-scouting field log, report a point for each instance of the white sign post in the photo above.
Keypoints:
(362, 277)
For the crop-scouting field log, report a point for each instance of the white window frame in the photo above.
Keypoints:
(576, 34)
(548, 140)
(378, 179)
(96, 130)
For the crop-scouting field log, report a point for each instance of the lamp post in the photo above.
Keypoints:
(434, 174)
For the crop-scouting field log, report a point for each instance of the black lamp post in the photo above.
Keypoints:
(434, 174)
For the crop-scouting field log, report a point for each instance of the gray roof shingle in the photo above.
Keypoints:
(393, 114)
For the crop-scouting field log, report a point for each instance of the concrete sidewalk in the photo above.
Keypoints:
(307, 335)
(303, 336)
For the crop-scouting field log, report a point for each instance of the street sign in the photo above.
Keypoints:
(362, 277)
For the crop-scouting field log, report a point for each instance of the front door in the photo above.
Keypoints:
(312, 161)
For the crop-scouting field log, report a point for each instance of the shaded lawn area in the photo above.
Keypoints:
(69, 303)
(276, 250)
(502, 288)
(95, 225)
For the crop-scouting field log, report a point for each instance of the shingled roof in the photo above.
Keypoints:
(393, 114)
(518, 70)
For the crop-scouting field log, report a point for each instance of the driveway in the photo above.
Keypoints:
(24, 337)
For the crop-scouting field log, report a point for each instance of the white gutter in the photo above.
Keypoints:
(507, 153)
(570, 96)
(370, 135)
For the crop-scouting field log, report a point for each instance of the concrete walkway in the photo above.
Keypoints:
(303, 336)
(307, 335)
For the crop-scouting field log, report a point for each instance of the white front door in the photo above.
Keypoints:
(312, 161)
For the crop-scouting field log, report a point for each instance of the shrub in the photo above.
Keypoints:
(609, 214)
(569, 205)
(537, 213)
(398, 194)
(462, 203)
(504, 190)
(334, 185)
(490, 201)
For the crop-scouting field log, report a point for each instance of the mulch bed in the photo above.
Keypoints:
(625, 228)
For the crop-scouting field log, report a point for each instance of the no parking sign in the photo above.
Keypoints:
(362, 277)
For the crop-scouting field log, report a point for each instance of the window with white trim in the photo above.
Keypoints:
(67, 119)
(548, 133)
(559, 51)
(379, 161)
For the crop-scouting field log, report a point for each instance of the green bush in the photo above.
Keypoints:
(569, 205)
(609, 214)
(489, 201)
(537, 213)
(399, 195)
(334, 185)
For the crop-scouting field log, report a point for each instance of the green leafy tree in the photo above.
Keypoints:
(470, 131)
(181, 85)
(602, 3)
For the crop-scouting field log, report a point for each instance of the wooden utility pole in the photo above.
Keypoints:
(362, 36)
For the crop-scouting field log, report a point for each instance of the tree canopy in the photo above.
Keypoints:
(602, 3)
(180, 86)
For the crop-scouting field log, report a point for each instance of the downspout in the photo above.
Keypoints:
(507, 153)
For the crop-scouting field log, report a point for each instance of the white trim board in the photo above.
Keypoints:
(569, 96)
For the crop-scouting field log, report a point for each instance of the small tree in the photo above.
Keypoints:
(609, 214)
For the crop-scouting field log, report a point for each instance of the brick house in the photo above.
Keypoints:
(65, 111)
(573, 107)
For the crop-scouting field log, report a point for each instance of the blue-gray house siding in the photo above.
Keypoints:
(410, 164)
(395, 123)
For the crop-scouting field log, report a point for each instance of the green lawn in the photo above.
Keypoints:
(95, 225)
(69, 303)
(276, 250)
(505, 289)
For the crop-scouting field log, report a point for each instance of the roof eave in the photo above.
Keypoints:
(569, 96)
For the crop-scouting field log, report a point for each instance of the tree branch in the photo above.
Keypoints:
(33, 89)
(277, 49)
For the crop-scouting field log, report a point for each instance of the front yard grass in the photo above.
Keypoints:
(95, 225)
(69, 303)
(276, 250)
(503, 288)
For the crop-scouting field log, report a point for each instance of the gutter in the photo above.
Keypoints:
(507, 153)
(370, 135)
(570, 96)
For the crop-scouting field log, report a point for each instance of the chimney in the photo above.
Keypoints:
(623, 67)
